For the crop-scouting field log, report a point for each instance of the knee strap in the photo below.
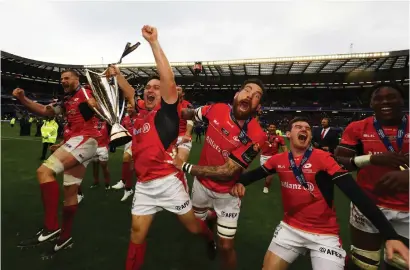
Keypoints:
(71, 180)
(365, 259)
(54, 164)
(226, 229)
(201, 214)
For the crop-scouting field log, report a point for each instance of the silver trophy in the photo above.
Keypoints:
(106, 93)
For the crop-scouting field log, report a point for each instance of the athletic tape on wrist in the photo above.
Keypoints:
(362, 161)
(186, 167)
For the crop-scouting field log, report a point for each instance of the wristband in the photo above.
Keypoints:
(361, 161)
(186, 167)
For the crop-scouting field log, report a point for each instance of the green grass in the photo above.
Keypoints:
(101, 227)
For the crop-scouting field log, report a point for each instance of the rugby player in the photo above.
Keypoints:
(232, 140)
(160, 185)
(270, 148)
(101, 156)
(54, 147)
(184, 142)
(377, 147)
(307, 177)
(72, 158)
(126, 172)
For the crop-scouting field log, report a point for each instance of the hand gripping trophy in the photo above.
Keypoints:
(106, 93)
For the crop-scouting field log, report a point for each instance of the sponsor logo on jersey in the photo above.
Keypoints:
(297, 186)
(235, 138)
(230, 124)
(369, 136)
(224, 131)
(213, 144)
(249, 155)
(225, 154)
(144, 129)
(307, 165)
(375, 153)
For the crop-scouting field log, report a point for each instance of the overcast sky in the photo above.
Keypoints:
(84, 32)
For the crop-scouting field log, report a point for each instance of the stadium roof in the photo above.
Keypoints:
(356, 69)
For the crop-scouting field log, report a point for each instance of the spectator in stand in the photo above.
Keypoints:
(325, 138)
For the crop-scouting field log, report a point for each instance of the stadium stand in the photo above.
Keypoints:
(335, 86)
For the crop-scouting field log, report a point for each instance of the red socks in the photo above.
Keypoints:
(126, 174)
(135, 256)
(206, 232)
(68, 217)
(49, 196)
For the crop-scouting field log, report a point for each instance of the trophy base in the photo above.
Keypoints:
(119, 135)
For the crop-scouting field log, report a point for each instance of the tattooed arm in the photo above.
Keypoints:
(219, 173)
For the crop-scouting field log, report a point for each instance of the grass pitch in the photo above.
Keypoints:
(101, 227)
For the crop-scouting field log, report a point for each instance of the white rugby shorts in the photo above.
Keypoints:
(128, 149)
(186, 145)
(169, 193)
(398, 219)
(263, 159)
(288, 243)
(226, 206)
(101, 154)
(82, 148)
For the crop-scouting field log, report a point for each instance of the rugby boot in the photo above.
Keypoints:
(42, 236)
(58, 246)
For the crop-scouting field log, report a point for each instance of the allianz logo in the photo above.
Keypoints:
(297, 186)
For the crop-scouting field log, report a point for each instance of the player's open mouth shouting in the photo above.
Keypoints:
(244, 106)
(302, 137)
(151, 98)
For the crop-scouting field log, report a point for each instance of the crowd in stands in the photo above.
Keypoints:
(334, 99)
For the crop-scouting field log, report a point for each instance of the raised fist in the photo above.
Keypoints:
(18, 93)
(112, 71)
(149, 33)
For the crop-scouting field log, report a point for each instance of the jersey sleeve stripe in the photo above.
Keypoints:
(266, 169)
(198, 114)
(238, 161)
(348, 147)
(339, 175)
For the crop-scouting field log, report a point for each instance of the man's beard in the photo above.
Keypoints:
(239, 114)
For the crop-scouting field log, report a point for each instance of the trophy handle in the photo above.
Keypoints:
(122, 110)
(95, 110)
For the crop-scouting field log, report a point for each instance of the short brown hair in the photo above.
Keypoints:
(297, 119)
(73, 72)
(256, 81)
(153, 77)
